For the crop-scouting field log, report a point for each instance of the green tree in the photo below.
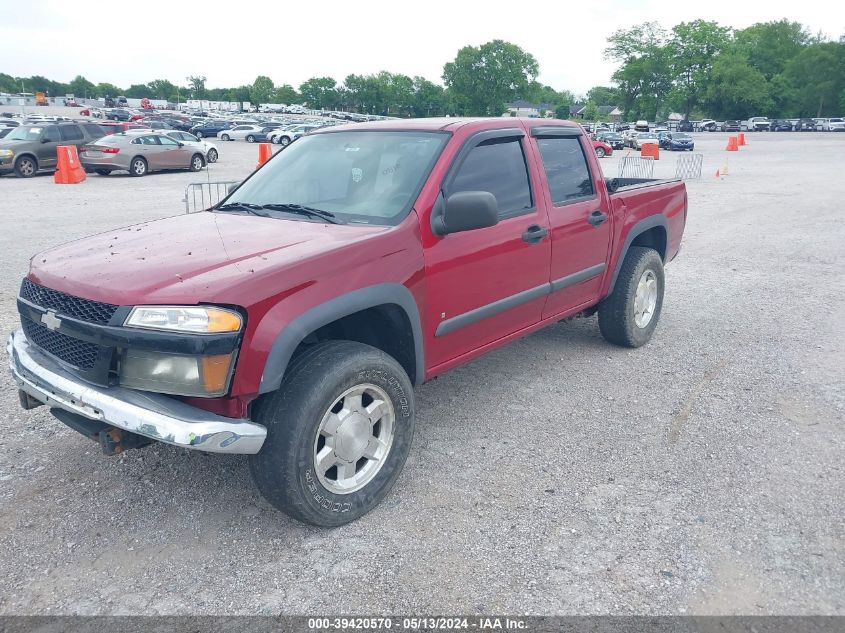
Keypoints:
(81, 87)
(161, 89)
(429, 98)
(107, 90)
(482, 80)
(196, 84)
(644, 78)
(138, 91)
(769, 46)
(286, 94)
(562, 111)
(262, 90)
(603, 95)
(692, 49)
(736, 89)
(319, 92)
(817, 74)
(591, 111)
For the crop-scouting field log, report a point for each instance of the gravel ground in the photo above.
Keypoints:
(700, 474)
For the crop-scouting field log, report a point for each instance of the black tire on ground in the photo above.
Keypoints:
(26, 167)
(285, 470)
(284, 141)
(617, 320)
(198, 134)
(250, 138)
(212, 155)
(224, 137)
(138, 167)
(600, 152)
(103, 172)
(197, 162)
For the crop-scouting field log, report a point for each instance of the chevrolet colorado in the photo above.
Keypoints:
(292, 321)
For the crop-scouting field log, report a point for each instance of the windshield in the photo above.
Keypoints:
(25, 134)
(368, 177)
(647, 135)
(681, 136)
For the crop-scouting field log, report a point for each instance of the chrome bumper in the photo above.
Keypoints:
(151, 415)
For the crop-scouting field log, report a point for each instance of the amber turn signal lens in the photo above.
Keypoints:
(223, 321)
(215, 372)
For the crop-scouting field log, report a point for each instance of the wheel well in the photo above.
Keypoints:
(202, 158)
(655, 238)
(26, 155)
(385, 327)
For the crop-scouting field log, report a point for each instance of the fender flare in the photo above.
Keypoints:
(638, 229)
(295, 332)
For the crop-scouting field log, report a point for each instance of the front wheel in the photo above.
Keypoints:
(224, 137)
(285, 141)
(629, 315)
(196, 162)
(212, 155)
(26, 167)
(338, 432)
(198, 134)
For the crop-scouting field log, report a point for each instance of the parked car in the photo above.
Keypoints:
(707, 125)
(731, 125)
(757, 124)
(685, 126)
(614, 139)
(286, 136)
(835, 124)
(643, 138)
(4, 131)
(27, 149)
(806, 125)
(157, 124)
(208, 149)
(242, 132)
(119, 114)
(677, 141)
(191, 334)
(139, 154)
(210, 127)
(781, 125)
(602, 149)
(641, 126)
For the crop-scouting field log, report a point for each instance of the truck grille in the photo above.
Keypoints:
(74, 307)
(78, 353)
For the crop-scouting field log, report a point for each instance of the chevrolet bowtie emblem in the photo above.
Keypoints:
(50, 320)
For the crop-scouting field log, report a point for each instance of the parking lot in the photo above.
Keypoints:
(702, 473)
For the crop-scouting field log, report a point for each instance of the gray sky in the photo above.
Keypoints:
(230, 43)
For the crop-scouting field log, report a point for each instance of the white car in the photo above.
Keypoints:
(644, 138)
(242, 132)
(756, 124)
(296, 109)
(286, 136)
(836, 124)
(209, 150)
(707, 125)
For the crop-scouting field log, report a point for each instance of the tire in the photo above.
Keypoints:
(284, 141)
(103, 172)
(198, 134)
(250, 139)
(618, 320)
(600, 152)
(197, 162)
(26, 167)
(296, 416)
(224, 137)
(138, 167)
(212, 156)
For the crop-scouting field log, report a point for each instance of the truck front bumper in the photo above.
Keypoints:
(152, 415)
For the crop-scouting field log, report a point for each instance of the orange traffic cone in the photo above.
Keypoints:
(69, 170)
(741, 139)
(732, 146)
(265, 151)
(718, 175)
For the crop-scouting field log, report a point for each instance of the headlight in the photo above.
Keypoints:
(203, 376)
(6, 153)
(199, 320)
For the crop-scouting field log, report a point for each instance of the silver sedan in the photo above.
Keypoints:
(140, 154)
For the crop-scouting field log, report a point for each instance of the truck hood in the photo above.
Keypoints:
(188, 258)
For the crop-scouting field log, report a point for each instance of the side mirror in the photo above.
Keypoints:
(181, 144)
(466, 211)
(44, 139)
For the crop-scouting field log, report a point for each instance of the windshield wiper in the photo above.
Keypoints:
(252, 209)
(300, 209)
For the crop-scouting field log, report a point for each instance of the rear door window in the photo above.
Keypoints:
(51, 134)
(70, 133)
(566, 169)
(497, 166)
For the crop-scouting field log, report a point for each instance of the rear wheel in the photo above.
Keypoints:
(138, 167)
(196, 162)
(629, 315)
(338, 432)
(224, 137)
(198, 134)
(26, 167)
(600, 152)
(285, 141)
(250, 139)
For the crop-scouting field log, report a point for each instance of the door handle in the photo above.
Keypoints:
(534, 234)
(597, 217)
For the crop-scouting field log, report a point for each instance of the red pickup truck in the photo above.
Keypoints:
(292, 321)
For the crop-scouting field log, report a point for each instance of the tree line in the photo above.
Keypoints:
(697, 68)
(776, 69)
